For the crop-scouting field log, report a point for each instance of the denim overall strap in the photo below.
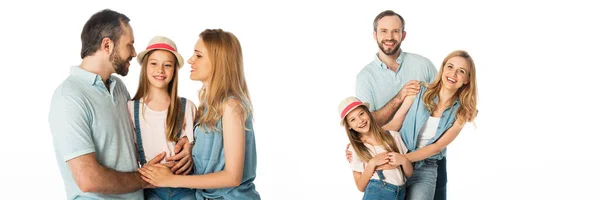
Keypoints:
(380, 174)
(136, 118)
(181, 116)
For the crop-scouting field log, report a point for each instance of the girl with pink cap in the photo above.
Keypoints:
(373, 147)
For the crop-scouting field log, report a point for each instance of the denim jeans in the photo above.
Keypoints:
(421, 185)
(170, 193)
(442, 179)
(377, 189)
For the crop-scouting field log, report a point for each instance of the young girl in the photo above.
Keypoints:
(372, 147)
(160, 117)
(434, 120)
(224, 152)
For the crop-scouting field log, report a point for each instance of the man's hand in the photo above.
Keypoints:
(182, 157)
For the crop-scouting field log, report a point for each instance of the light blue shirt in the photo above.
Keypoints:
(377, 85)
(209, 157)
(416, 119)
(86, 118)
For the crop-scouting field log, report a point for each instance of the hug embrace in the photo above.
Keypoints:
(404, 116)
(156, 145)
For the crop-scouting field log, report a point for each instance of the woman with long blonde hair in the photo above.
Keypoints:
(441, 110)
(224, 151)
(371, 147)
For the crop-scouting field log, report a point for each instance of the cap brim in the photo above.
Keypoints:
(351, 109)
(141, 55)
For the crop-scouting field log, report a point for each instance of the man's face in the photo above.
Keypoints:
(389, 34)
(123, 52)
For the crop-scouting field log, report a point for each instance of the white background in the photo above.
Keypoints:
(536, 67)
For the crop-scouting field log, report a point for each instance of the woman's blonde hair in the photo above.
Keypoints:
(467, 94)
(381, 136)
(227, 79)
(172, 124)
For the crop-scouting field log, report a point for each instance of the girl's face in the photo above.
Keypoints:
(358, 120)
(160, 68)
(201, 64)
(456, 73)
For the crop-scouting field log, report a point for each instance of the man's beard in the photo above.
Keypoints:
(119, 64)
(391, 51)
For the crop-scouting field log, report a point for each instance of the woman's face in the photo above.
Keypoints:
(200, 63)
(160, 68)
(358, 120)
(455, 73)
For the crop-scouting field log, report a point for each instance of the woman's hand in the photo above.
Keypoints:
(379, 159)
(158, 175)
(396, 159)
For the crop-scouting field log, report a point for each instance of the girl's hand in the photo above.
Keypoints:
(157, 175)
(395, 159)
(379, 159)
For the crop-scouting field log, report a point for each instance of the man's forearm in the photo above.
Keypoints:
(383, 115)
(114, 182)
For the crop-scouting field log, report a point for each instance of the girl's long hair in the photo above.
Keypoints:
(381, 136)
(172, 124)
(227, 79)
(467, 94)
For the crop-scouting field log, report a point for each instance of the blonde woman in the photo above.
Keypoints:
(160, 116)
(224, 151)
(434, 120)
(373, 147)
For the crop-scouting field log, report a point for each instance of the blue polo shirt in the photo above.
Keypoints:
(86, 118)
(377, 85)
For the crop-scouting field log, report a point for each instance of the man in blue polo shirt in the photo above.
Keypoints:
(91, 130)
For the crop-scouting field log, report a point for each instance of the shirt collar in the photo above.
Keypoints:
(399, 60)
(455, 103)
(88, 77)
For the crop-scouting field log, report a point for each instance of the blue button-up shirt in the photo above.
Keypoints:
(417, 117)
(85, 118)
(377, 85)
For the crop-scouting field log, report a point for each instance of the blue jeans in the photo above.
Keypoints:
(377, 189)
(421, 185)
(170, 193)
(442, 179)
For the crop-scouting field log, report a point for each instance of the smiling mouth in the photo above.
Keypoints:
(160, 77)
(364, 124)
(389, 43)
(451, 80)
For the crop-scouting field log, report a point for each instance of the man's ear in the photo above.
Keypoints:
(403, 35)
(375, 36)
(107, 45)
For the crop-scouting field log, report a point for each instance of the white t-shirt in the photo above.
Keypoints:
(393, 176)
(428, 131)
(152, 127)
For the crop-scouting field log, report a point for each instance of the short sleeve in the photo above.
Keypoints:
(70, 123)
(356, 164)
(364, 90)
(190, 115)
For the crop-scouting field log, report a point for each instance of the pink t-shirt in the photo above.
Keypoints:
(152, 127)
